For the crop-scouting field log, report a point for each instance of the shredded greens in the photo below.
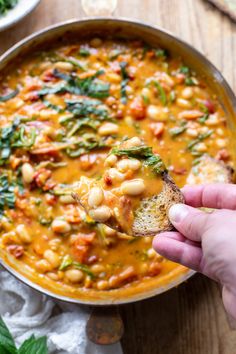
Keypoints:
(144, 153)
(13, 136)
(67, 261)
(7, 194)
(6, 5)
(90, 86)
(10, 95)
(125, 80)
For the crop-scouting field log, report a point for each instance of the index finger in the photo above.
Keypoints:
(218, 196)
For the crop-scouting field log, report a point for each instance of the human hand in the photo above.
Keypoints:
(205, 242)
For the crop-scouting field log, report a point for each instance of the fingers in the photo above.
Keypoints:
(218, 196)
(190, 222)
(170, 246)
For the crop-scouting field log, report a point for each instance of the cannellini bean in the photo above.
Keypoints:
(96, 42)
(181, 102)
(146, 92)
(95, 197)
(115, 175)
(221, 143)
(53, 276)
(23, 233)
(27, 172)
(74, 275)
(192, 132)
(220, 131)
(101, 214)
(102, 285)
(135, 141)
(54, 244)
(52, 257)
(110, 160)
(187, 93)
(62, 65)
(67, 199)
(43, 266)
(109, 231)
(98, 268)
(151, 253)
(108, 129)
(192, 114)
(157, 113)
(113, 77)
(60, 226)
(128, 164)
(133, 187)
(212, 120)
(200, 147)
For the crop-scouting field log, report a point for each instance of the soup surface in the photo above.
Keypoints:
(61, 112)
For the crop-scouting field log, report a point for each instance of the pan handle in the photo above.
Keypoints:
(105, 325)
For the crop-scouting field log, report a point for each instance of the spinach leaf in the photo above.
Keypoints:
(7, 344)
(89, 142)
(34, 346)
(89, 86)
(6, 5)
(161, 91)
(11, 94)
(83, 108)
(125, 80)
(66, 262)
(84, 268)
(200, 138)
(7, 194)
(142, 153)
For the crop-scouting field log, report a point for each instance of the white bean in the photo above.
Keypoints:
(27, 172)
(116, 175)
(43, 266)
(133, 187)
(102, 285)
(52, 258)
(23, 233)
(67, 199)
(62, 65)
(221, 143)
(181, 102)
(95, 197)
(192, 132)
(187, 93)
(128, 164)
(60, 226)
(74, 275)
(111, 160)
(108, 129)
(101, 214)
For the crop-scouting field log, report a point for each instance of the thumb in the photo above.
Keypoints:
(190, 222)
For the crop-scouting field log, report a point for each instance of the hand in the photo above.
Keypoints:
(205, 241)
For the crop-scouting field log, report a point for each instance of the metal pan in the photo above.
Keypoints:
(153, 35)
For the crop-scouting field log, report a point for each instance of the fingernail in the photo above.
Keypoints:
(178, 212)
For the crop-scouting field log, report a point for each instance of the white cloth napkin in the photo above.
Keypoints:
(27, 312)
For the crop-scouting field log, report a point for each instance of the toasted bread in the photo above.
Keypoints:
(210, 170)
(152, 216)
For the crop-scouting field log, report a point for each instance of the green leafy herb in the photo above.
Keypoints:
(30, 346)
(84, 269)
(204, 118)
(44, 221)
(161, 91)
(160, 53)
(178, 130)
(84, 52)
(191, 81)
(142, 153)
(11, 94)
(184, 70)
(200, 138)
(89, 86)
(125, 80)
(7, 194)
(66, 262)
(12, 136)
(83, 108)
(6, 5)
(53, 106)
(7, 344)
(89, 142)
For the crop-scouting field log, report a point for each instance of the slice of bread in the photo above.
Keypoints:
(210, 170)
(151, 217)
